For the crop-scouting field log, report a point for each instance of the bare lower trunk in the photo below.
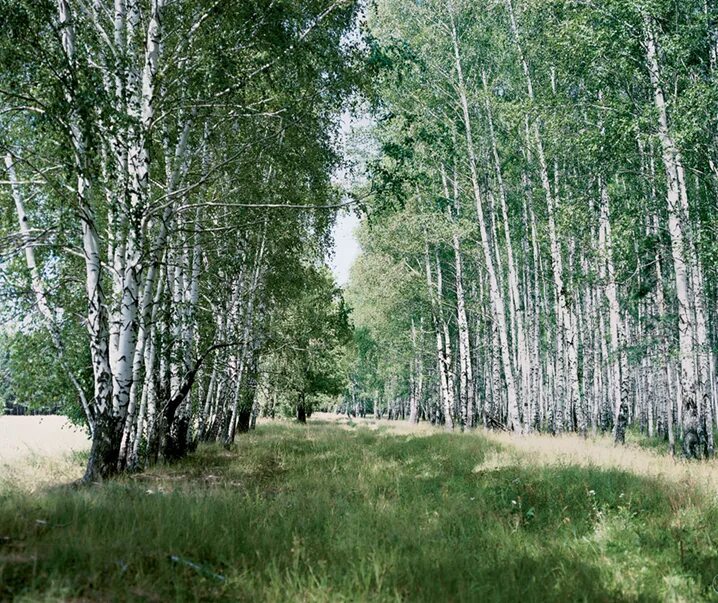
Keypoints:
(415, 378)
(619, 369)
(445, 397)
(517, 317)
(301, 410)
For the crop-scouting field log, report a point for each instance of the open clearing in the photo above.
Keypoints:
(336, 511)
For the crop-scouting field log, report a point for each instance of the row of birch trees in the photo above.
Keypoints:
(166, 195)
(539, 251)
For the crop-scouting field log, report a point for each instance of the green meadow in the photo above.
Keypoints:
(324, 513)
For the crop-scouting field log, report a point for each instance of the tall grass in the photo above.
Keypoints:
(319, 513)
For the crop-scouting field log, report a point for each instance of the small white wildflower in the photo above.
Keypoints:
(592, 493)
(513, 502)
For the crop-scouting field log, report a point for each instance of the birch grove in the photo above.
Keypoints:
(556, 159)
(538, 194)
(178, 156)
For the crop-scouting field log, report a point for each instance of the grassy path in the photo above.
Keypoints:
(568, 449)
(333, 512)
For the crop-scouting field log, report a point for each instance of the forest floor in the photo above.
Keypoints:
(341, 510)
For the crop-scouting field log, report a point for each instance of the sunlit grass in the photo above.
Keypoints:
(601, 452)
(319, 513)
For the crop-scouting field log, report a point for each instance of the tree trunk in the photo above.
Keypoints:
(676, 228)
(618, 362)
(301, 410)
(496, 295)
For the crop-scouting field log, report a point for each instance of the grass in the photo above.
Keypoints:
(321, 513)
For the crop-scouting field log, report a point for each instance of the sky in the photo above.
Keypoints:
(346, 247)
(355, 145)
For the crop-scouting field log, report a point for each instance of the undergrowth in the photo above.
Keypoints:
(318, 513)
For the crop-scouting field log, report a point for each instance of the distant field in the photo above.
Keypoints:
(342, 510)
(39, 436)
(37, 451)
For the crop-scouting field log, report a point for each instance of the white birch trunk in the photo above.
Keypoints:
(517, 317)
(447, 356)
(497, 300)
(143, 102)
(444, 399)
(676, 227)
(105, 441)
(246, 331)
(414, 377)
(617, 361)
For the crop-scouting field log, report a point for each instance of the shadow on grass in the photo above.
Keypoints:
(318, 513)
